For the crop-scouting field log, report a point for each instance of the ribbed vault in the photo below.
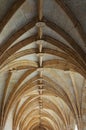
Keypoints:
(42, 65)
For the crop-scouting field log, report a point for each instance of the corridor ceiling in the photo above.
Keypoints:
(42, 64)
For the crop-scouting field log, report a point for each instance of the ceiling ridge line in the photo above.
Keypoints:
(40, 56)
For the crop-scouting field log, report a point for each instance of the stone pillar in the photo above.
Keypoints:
(84, 108)
(79, 122)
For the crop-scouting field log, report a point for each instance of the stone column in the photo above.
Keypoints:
(84, 109)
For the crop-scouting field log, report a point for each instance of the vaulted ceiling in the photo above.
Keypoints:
(42, 64)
